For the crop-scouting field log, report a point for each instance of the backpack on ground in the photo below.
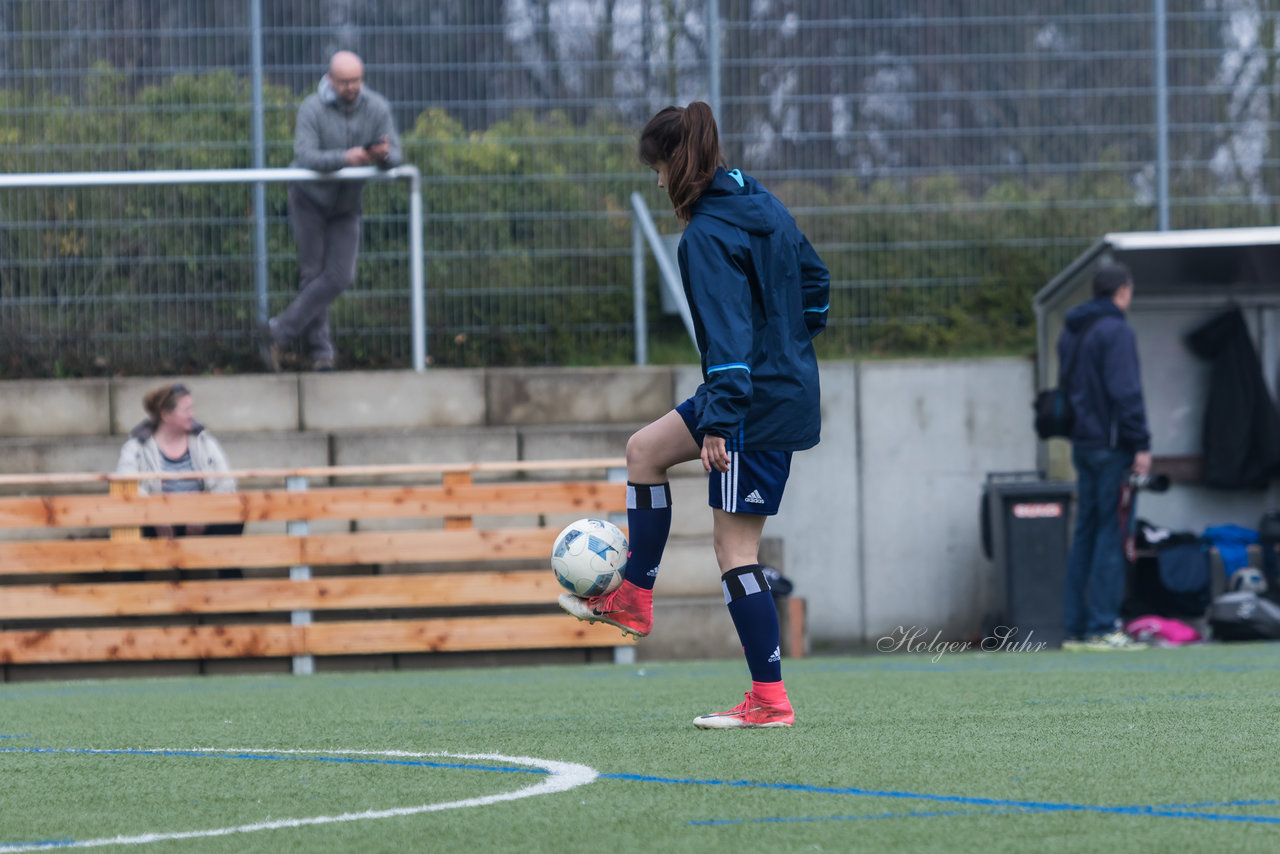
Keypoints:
(1244, 616)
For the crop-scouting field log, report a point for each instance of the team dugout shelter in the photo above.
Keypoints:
(1182, 280)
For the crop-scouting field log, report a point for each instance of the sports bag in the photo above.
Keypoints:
(1054, 413)
(1269, 539)
(1244, 616)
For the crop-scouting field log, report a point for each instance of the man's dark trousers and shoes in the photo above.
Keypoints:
(327, 250)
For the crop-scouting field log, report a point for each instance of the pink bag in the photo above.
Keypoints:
(1162, 630)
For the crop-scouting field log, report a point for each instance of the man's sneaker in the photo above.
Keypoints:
(751, 712)
(1115, 640)
(629, 608)
(268, 349)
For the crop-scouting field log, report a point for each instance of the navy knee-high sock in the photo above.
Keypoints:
(648, 524)
(746, 592)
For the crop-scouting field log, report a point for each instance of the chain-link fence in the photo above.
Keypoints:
(946, 160)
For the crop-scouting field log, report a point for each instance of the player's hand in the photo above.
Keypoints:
(379, 151)
(714, 454)
(356, 157)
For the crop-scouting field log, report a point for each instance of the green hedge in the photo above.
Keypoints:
(528, 242)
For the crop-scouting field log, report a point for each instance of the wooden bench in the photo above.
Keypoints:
(474, 576)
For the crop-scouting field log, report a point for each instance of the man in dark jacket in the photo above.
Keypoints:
(344, 123)
(1110, 441)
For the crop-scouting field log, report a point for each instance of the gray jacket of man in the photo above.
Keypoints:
(328, 126)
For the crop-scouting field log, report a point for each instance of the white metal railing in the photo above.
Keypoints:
(642, 230)
(406, 172)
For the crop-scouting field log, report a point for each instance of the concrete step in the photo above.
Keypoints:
(689, 627)
(349, 400)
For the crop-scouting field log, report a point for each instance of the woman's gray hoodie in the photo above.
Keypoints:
(142, 454)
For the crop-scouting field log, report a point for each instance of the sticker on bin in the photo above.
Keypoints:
(1046, 510)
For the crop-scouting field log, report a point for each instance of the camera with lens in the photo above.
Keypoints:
(1149, 482)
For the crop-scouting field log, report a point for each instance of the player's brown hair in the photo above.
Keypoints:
(687, 140)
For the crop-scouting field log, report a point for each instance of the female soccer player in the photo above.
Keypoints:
(758, 294)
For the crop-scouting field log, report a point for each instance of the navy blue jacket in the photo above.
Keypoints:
(1106, 385)
(758, 294)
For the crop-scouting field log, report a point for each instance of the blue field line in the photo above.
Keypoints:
(804, 819)
(1207, 804)
(1035, 806)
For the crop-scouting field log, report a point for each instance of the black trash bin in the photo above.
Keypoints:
(1026, 530)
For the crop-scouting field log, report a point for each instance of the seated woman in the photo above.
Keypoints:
(170, 440)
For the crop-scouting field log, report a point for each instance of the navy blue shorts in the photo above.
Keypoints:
(755, 479)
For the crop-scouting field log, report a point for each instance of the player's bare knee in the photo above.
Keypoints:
(642, 463)
(635, 450)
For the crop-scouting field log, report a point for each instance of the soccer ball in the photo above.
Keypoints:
(589, 557)
(1248, 578)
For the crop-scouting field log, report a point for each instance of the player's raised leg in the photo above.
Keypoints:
(651, 451)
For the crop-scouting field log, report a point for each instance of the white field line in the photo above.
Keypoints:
(563, 776)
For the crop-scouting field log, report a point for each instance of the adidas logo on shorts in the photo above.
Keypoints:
(754, 497)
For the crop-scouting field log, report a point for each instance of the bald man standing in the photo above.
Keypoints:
(344, 123)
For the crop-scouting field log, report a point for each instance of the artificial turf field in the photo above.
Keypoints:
(1156, 750)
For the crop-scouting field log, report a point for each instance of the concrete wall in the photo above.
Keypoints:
(930, 432)
(879, 525)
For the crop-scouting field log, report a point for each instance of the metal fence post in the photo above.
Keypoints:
(417, 276)
(259, 162)
(713, 60)
(1162, 115)
(302, 664)
(638, 295)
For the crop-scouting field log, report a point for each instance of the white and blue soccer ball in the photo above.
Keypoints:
(589, 557)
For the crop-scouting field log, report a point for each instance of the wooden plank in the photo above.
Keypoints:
(280, 640)
(550, 631)
(397, 469)
(93, 511)
(150, 644)
(356, 549)
(123, 490)
(452, 589)
(457, 520)
(40, 557)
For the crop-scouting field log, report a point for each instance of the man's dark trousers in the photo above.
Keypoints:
(327, 249)
(1095, 565)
